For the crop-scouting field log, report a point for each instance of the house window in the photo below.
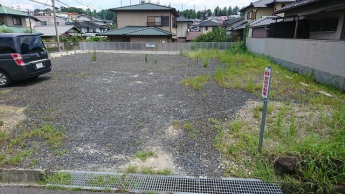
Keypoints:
(165, 20)
(206, 28)
(57, 23)
(158, 21)
(174, 23)
(283, 5)
(323, 25)
(17, 21)
(43, 23)
(1, 20)
(250, 15)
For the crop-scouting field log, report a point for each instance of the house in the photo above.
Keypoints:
(260, 29)
(72, 16)
(144, 22)
(309, 39)
(12, 20)
(208, 25)
(89, 28)
(183, 25)
(48, 20)
(48, 32)
(232, 22)
(258, 9)
(311, 19)
(100, 22)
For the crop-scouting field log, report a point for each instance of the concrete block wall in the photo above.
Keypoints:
(324, 59)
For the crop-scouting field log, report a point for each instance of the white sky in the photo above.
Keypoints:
(106, 4)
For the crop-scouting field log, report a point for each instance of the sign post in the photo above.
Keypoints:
(265, 95)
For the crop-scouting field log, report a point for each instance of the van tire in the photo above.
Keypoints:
(4, 76)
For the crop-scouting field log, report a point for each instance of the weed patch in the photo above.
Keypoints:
(94, 56)
(21, 145)
(144, 155)
(302, 121)
(197, 82)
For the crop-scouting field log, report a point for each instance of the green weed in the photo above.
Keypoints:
(197, 82)
(94, 56)
(144, 155)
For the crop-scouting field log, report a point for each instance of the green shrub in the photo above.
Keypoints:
(216, 35)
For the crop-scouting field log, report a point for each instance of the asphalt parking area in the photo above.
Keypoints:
(118, 105)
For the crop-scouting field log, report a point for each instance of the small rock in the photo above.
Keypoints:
(286, 164)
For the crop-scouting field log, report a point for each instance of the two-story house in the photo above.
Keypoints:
(15, 21)
(259, 9)
(144, 22)
(257, 14)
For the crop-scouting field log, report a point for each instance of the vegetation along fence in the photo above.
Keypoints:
(136, 46)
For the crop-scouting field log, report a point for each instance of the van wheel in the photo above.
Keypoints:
(4, 79)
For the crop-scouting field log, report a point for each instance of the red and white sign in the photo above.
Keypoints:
(266, 85)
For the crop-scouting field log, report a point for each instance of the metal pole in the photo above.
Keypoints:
(56, 29)
(30, 21)
(264, 113)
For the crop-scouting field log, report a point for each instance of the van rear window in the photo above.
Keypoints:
(30, 44)
(7, 46)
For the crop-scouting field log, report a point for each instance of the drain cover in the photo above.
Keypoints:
(158, 183)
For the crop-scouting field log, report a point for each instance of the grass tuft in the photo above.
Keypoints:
(144, 155)
(197, 82)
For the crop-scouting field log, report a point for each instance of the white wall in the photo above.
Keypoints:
(321, 55)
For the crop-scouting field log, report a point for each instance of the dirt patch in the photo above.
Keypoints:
(10, 116)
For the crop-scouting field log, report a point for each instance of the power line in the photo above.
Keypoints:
(63, 3)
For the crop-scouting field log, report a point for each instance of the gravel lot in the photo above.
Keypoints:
(118, 105)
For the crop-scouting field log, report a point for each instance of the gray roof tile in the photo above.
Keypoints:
(136, 31)
(145, 7)
(298, 3)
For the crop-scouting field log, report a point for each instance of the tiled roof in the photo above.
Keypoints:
(50, 30)
(298, 3)
(136, 31)
(233, 20)
(145, 7)
(10, 11)
(209, 23)
(265, 3)
(182, 19)
(264, 21)
(87, 24)
(15, 29)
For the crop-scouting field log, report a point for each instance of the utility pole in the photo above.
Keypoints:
(30, 21)
(56, 29)
(182, 6)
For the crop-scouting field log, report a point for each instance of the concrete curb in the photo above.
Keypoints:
(22, 176)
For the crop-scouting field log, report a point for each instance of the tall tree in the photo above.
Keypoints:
(209, 12)
(230, 10)
(217, 11)
(224, 11)
(235, 10)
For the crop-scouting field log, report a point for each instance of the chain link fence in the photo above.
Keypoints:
(135, 46)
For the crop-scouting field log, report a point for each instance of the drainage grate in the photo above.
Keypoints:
(160, 184)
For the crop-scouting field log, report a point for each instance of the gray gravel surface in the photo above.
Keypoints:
(118, 105)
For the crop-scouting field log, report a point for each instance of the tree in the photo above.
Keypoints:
(217, 11)
(36, 11)
(209, 12)
(224, 11)
(230, 10)
(216, 35)
(235, 10)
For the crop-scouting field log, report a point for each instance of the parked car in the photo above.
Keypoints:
(22, 56)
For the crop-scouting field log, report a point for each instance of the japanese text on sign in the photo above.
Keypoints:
(266, 85)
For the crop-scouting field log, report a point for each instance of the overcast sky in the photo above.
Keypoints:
(106, 4)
